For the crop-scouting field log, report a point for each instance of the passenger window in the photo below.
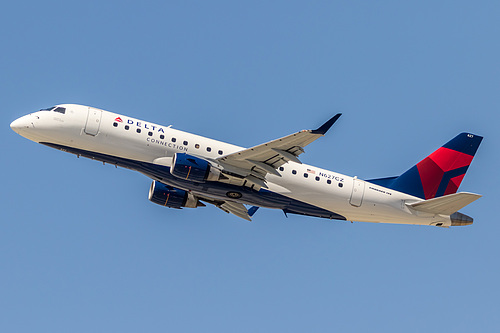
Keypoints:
(221, 152)
(328, 181)
(306, 175)
(162, 136)
(174, 139)
(317, 178)
(115, 124)
(209, 149)
(197, 146)
(341, 185)
(127, 127)
(185, 143)
(294, 172)
(282, 169)
(150, 133)
(138, 130)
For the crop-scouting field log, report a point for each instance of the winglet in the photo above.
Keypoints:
(252, 210)
(326, 126)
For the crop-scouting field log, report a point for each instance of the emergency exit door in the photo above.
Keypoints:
(358, 191)
(93, 121)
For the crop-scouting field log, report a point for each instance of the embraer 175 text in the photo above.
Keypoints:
(189, 170)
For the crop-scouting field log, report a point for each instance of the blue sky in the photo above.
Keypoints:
(82, 249)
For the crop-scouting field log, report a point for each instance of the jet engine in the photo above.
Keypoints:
(172, 197)
(193, 168)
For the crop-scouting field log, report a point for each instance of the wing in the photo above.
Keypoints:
(256, 162)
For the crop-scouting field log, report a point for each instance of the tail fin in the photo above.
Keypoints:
(441, 172)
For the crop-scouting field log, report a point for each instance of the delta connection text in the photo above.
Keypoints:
(158, 129)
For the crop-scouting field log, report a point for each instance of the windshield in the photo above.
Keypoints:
(55, 109)
(48, 109)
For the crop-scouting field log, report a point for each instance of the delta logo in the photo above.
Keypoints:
(141, 124)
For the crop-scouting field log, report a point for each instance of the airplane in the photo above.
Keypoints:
(190, 171)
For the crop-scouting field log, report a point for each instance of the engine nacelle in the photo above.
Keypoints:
(164, 195)
(193, 168)
(172, 197)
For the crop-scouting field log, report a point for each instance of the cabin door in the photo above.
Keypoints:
(358, 190)
(93, 121)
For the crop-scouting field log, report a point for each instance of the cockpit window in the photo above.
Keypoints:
(48, 109)
(60, 110)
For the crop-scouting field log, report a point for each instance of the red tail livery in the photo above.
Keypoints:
(441, 172)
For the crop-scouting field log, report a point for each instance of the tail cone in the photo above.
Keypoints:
(460, 219)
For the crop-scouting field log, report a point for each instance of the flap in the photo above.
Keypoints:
(236, 209)
(232, 207)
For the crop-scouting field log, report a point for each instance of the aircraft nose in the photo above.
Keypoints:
(20, 124)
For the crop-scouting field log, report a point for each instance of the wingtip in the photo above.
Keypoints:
(252, 210)
(326, 126)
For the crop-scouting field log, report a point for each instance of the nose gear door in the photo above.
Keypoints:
(93, 121)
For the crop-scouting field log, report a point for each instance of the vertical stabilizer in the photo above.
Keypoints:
(441, 172)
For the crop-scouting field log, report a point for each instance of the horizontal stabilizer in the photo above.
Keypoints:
(445, 205)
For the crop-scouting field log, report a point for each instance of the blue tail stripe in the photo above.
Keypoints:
(465, 143)
(410, 183)
(385, 182)
(447, 177)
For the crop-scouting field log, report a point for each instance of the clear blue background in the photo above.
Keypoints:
(83, 250)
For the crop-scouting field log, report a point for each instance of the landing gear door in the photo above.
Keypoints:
(358, 191)
(93, 121)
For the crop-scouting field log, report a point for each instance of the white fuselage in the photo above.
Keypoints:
(102, 132)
